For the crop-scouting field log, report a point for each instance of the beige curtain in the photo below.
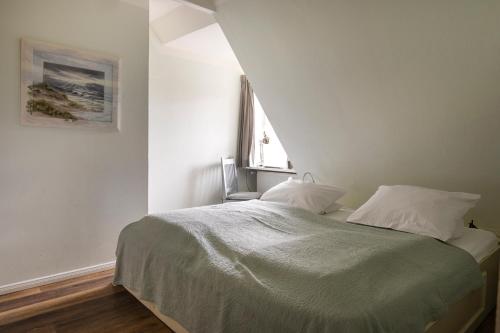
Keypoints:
(245, 130)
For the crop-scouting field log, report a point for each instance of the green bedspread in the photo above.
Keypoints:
(264, 267)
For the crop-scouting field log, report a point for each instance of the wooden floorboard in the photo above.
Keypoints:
(18, 294)
(488, 325)
(86, 304)
(52, 294)
(26, 296)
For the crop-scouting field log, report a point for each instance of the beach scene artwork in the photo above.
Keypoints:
(67, 87)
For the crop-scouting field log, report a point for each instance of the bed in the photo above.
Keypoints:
(266, 267)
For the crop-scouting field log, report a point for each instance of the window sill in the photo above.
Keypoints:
(275, 170)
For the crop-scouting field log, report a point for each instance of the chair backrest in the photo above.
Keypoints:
(229, 177)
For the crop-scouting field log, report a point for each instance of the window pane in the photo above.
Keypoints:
(268, 150)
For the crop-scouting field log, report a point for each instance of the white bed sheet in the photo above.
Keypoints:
(478, 242)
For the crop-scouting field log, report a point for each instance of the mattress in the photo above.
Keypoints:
(478, 242)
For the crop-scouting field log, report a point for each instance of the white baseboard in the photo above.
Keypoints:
(17, 286)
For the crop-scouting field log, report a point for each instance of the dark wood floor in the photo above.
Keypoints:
(90, 304)
(86, 304)
(488, 325)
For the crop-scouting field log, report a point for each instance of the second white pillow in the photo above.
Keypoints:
(428, 212)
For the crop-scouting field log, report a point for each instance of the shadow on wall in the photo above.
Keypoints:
(206, 186)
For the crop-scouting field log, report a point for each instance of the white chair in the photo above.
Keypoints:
(230, 183)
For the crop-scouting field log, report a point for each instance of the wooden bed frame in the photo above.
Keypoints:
(466, 315)
(462, 317)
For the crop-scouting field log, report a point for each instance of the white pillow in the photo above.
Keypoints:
(317, 198)
(418, 210)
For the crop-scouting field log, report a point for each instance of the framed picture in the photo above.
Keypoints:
(66, 87)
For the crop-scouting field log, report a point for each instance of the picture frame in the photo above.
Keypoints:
(62, 86)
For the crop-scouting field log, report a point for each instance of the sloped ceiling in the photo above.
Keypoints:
(209, 5)
(183, 29)
(364, 93)
(160, 8)
(171, 20)
(207, 45)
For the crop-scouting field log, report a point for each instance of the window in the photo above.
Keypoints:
(267, 149)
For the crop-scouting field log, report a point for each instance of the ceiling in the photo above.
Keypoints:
(209, 41)
(205, 42)
(159, 8)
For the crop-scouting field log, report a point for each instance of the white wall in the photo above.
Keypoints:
(193, 118)
(364, 93)
(266, 180)
(65, 194)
